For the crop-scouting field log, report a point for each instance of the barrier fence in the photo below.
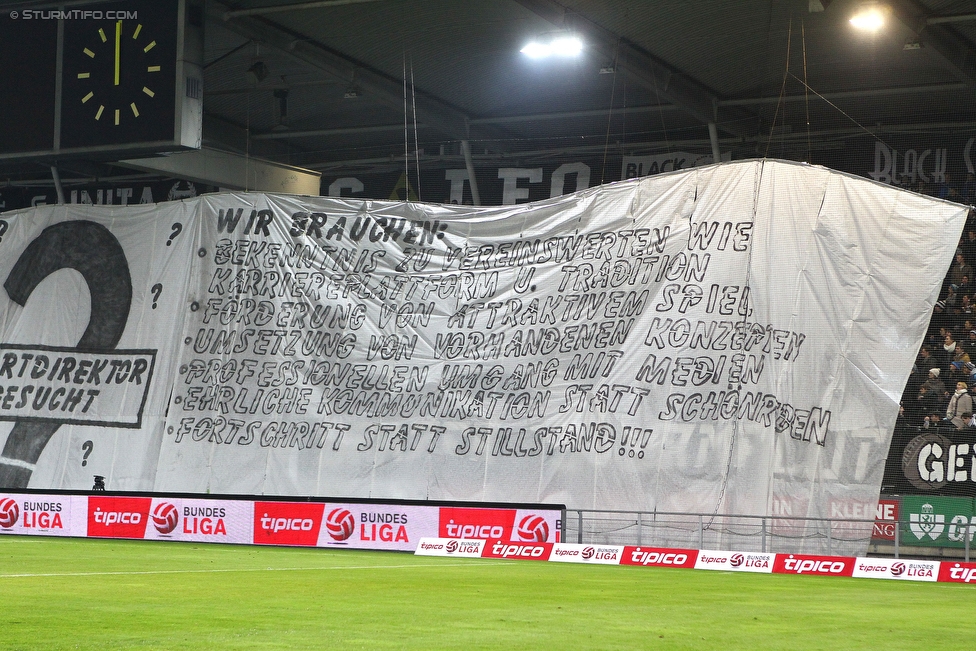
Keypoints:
(907, 526)
(925, 534)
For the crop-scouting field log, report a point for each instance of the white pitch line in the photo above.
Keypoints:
(269, 569)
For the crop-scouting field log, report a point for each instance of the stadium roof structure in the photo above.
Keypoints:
(352, 86)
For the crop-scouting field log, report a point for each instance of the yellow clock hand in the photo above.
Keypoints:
(118, 40)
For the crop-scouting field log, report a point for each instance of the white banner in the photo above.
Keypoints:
(716, 340)
(899, 569)
(43, 515)
(735, 561)
(450, 547)
(594, 554)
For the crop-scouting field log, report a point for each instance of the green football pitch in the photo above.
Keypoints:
(93, 594)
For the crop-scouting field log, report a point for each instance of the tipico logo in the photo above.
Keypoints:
(165, 517)
(533, 528)
(927, 523)
(340, 524)
(9, 512)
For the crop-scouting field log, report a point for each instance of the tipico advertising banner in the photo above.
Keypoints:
(665, 557)
(520, 551)
(655, 344)
(355, 525)
(813, 564)
(595, 554)
(735, 561)
(502, 524)
(896, 569)
(450, 547)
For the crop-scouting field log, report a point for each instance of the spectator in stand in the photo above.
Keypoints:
(951, 301)
(968, 246)
(960, 356)
(959, 270)
(926, 402)
(960, 408)
(962, 313)
(931, 396)
(945, 190)
(965, 288)
(969, 190)
(934, 385)
(933, 421)
(940, 316)
(924, 358)
(948, 350)
(962, 367)
(943, 333)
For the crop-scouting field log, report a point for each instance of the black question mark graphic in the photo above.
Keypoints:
(3, 228)
(157, 291)
(91, 250)
(87, 446)
(177, 229)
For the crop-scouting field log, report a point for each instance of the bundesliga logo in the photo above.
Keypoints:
(533, 528)
(340, 524)
(9, 512)
(897, 569)
(165, 517)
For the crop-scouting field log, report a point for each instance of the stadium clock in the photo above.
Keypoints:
(118, 82)
(120, 77)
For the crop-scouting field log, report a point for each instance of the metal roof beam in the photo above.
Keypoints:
(954, 50)
(434, 112)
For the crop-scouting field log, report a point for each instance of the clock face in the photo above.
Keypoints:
(118, 79)
(121, 60)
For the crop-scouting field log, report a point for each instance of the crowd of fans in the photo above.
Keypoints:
(940, 395)
(941, 389)
(946, 188)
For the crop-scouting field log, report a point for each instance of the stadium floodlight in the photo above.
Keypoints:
(569, 46)
(562, 46)
(869, 17)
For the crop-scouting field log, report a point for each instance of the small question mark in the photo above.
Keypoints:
(3, 228)
(157, 291)
(87, 446)
(177, 229)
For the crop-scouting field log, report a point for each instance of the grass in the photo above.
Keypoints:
(101, 594)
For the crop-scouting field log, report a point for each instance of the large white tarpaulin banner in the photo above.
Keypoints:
(732, 338)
